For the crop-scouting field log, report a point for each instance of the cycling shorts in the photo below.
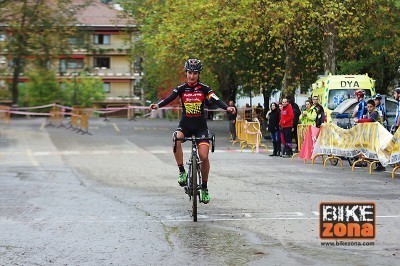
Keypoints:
(194, 126)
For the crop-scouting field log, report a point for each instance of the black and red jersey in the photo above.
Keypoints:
(193, 98)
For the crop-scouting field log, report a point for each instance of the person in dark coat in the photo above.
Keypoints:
(273, 117)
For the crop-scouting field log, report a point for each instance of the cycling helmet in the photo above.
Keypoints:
(378, 96)
(194, 65)
(359, 93)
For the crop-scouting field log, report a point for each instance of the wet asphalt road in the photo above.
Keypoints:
(111, 198)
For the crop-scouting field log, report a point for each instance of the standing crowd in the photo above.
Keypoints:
(282, 120)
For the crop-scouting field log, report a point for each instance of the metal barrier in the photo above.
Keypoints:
(301, 133)
(55, 118)
(240, 136)
(84, 123)
(252, 134)
(5, 114)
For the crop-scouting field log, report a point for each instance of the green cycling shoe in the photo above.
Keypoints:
(205, 197)
(182, 179)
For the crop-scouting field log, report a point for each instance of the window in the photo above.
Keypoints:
(73, 41)
(102, 39)
(71, 64)
(107, 87)
(337, 96)
(102, 62)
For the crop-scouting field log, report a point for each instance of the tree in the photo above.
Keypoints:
(82, 90)
(257, 45)
(39, 30)
(377, 50)
(42, 88)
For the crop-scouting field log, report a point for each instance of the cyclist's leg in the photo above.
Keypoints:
(179, 153)
(204, 148)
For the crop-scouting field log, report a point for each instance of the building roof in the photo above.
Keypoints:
(98, 14)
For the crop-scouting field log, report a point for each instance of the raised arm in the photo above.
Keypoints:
(165, 101)
(214, 98)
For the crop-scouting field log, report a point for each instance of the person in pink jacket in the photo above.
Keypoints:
(286, 125)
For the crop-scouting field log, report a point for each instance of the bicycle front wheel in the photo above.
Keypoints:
(194, 187)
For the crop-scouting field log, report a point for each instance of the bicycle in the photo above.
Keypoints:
(194, 180)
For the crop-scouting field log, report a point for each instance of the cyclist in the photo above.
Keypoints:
(396, 96)
(193, 95)
(361, 109)
(380, 108)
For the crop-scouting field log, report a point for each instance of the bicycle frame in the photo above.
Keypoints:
(194, 179)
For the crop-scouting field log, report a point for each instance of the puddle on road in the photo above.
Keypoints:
(216, 245)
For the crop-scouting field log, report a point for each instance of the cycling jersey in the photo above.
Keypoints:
(193, 99)
(381, 110)
(397, 113)
(193, 121)
(362, 109)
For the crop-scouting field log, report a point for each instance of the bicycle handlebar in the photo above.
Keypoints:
(193, 139)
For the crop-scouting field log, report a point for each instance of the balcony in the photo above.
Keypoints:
(103, 72)
(101, 51)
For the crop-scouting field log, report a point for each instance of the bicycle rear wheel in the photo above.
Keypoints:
(194, 187)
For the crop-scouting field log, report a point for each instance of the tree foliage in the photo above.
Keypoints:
(82, 90)
(261, 45)
(42, 88)
(37, 30)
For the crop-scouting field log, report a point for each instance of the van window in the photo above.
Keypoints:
(336, 97)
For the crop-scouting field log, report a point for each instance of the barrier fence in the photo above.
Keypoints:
(371, 143)
(367, 143)
(248, 134)
(5, 114)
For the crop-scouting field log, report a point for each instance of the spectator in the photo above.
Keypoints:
(308, 117)
(396, 96)
(281, 136)
(372, 116)
(361, 108)
(273, 127)
(296, 113)
(247, 113)
(286, 123)
(320, 111)
(232, 120)
(259, 113)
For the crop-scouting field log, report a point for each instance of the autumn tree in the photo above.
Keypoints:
(255, 45)
(376, 51)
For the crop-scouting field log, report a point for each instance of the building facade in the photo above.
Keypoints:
(101, 48)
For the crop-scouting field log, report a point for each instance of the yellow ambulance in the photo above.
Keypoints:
(332, 90)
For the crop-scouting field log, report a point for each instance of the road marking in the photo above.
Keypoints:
(167, 218)
(256, 216)
(31, 153)
(31, 157)
(115, 127)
